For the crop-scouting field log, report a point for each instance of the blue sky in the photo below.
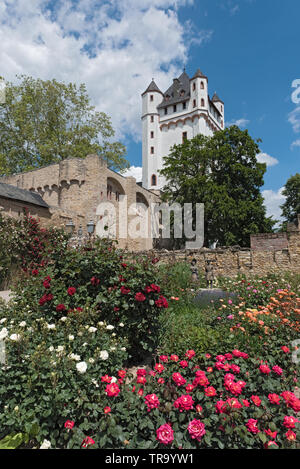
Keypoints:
(249, 49)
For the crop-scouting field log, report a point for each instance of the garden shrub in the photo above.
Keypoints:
(24, 244)
(98, 278)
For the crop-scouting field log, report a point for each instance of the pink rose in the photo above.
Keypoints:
(196, 429)
(165, 434)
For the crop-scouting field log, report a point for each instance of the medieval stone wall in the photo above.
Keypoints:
(233, 261)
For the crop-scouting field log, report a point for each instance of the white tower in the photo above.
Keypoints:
(150, 121)
(182, 112)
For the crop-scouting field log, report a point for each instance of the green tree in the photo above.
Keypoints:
(291, 206)
(223, 173)
(43, 122)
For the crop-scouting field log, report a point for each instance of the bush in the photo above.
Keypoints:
(25, 245)
(98, 278)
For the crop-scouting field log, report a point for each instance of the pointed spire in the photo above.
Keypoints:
(152, 88)
(216, 99)
(199, 74)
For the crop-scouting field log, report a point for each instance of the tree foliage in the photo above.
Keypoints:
(223, 173)
(44, 122)
(291, 206)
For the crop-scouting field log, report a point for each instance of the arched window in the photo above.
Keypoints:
(153, 180)
(194, 86)
(202, 85)
(194, 103)
(202, 102)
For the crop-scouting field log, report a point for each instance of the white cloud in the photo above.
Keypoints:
(114, 46)
(265, 158)
(238, 122)
(296, 143)
(294, 119)
(273, 200)
(135, 171)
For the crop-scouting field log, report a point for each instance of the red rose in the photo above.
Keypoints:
(140, 297)
(124, 290)
(60, 307)
(69, 424)
(71, 291)
(95, 281)
(112, 390)
(162, 302)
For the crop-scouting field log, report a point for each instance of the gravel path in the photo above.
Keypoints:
(5, 295)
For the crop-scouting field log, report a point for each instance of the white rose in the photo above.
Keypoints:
(15, 337)
(3, 333)
(91, 360)
(121, 324)
(92, 329)
(51, 348)
(45, 445)
(123, 349)
(75, 357)
(51, 326)
(63, 319)
(22, 324)
(3, 320)
(104, 355)
(100, 323)
(81, 367)
(113, 380)
(112, 349)
(109, 327)
(71, 337)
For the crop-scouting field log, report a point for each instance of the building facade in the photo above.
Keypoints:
(182, 112)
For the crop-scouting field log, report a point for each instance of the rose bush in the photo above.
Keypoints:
(230, 400)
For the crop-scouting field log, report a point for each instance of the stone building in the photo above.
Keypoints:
(182, 112)
(73, 190)
(15, 201)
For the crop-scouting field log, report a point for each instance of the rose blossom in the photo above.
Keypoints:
(69, 424)
(178, 379)
(289, 421)
(252, 426)
(165, 434)
(184, 402)
(274, 398)
(196, 429)
(256, 400)
(112, 390)
(152, 402)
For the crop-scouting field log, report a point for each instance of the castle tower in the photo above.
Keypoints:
(182, 112)
(151, 148)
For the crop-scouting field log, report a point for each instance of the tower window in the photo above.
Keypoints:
(194, 103)
(174, 108)
(202, 85)
(152, 119)
(202, 102)
(184, 105)
(151, 97)
(166, 110)
(152, 134)
(194, 86)
(184, 137)
(221, 108)
(153, 180)
(152, 150)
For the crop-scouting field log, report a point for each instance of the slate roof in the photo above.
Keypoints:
(12, 192)
(216, 99)
(178, 92)
(152, 87)
(199, 74)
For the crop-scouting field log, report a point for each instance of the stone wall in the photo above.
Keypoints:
(233, 261)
